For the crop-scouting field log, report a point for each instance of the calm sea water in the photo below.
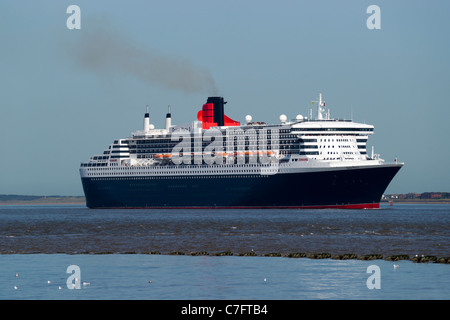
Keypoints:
(122, 276)
(39, 243)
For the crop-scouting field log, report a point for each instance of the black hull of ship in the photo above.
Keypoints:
(359, 188)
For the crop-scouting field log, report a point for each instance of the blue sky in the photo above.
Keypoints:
(57, 107)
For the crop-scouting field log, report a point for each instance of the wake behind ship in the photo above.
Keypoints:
(217, 162)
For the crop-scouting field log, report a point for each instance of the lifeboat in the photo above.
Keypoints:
(158, 156)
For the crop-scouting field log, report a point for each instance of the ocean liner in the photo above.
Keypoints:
(217, 162)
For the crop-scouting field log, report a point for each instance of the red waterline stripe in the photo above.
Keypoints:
(343, 206)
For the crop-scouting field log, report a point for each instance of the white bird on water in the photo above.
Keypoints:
(396, 266)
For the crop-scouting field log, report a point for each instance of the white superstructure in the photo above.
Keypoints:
(298, 145)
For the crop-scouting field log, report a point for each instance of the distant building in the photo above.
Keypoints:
(412, 195)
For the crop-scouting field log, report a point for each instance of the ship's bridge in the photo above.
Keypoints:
(339, 127)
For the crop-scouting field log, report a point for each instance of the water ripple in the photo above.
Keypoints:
(402, 229)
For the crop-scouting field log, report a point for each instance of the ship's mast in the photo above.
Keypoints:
(320, 108)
